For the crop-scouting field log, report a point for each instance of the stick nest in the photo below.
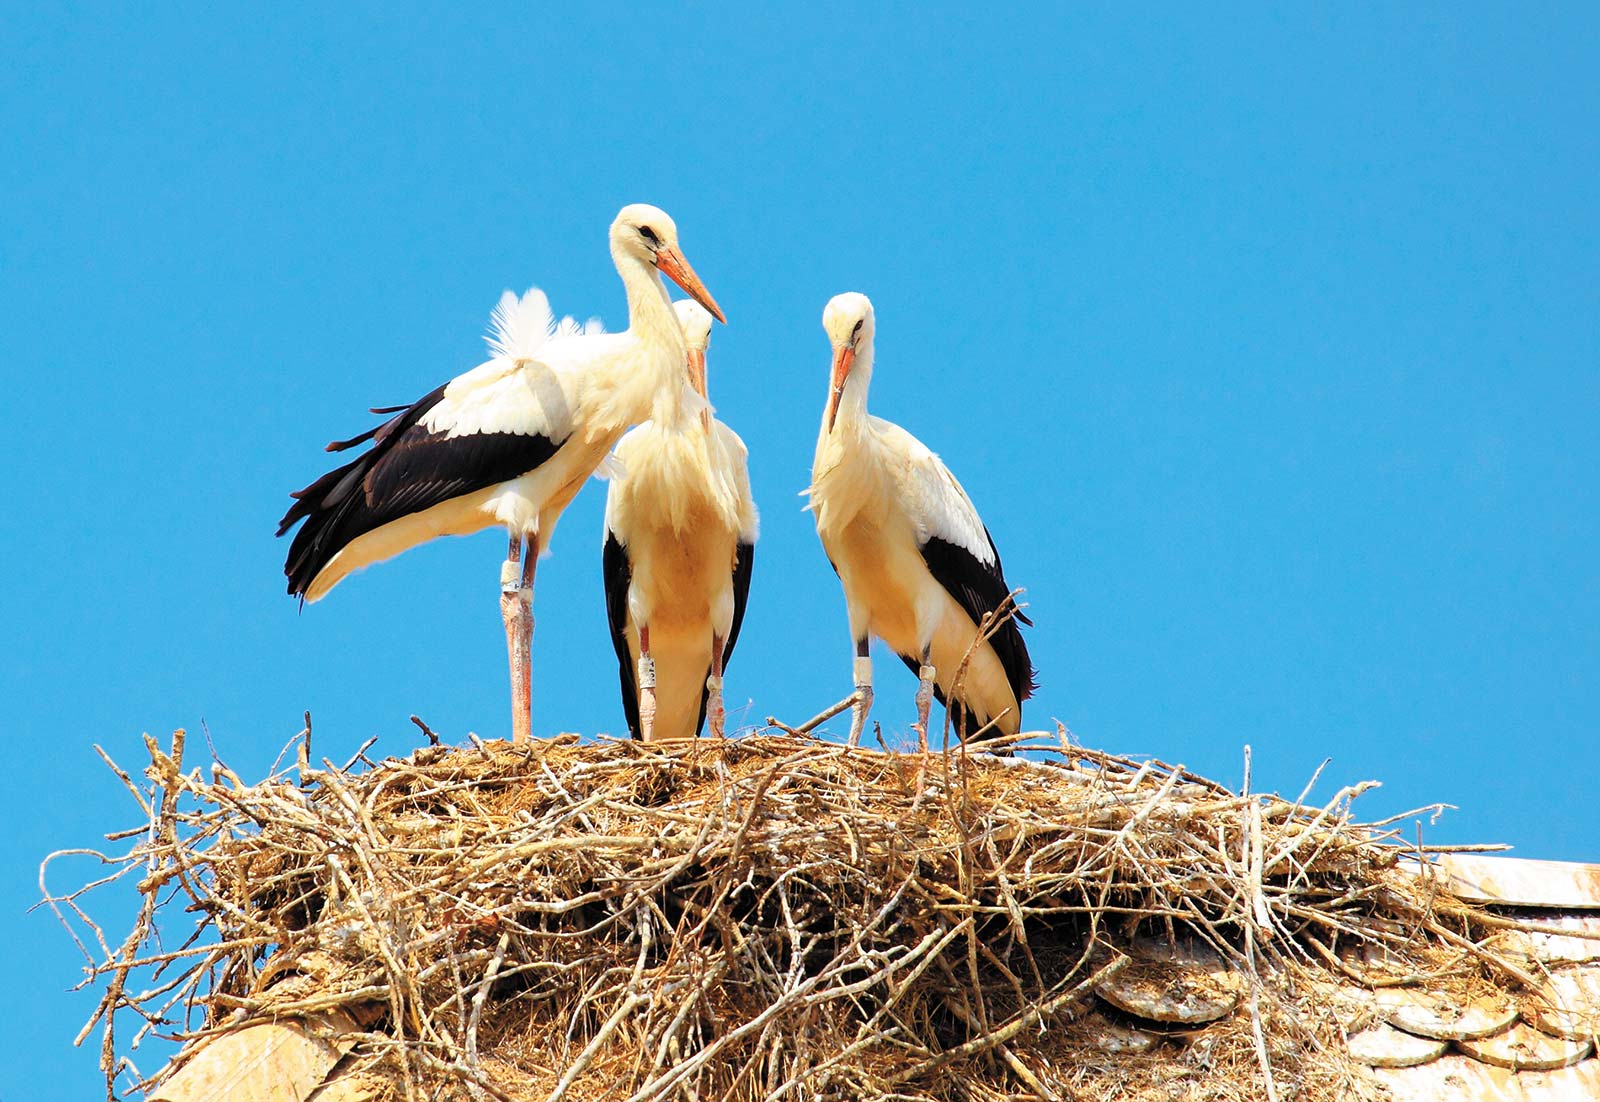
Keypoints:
(771, 917)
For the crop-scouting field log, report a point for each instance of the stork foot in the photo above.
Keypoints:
(716, 716)
(859, 710)
(863, 696)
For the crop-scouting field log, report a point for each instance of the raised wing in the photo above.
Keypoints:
(454, 441)
(500, 420)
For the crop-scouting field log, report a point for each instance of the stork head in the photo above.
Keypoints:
(647, 234)
(847, 319)
(696, 323)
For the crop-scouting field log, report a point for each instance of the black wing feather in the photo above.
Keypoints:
(744, 560)
(618, 572)
(408, 469)
(980, 588)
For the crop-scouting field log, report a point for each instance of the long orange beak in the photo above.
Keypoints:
(697, 379)
(672, 265)
(843, 357)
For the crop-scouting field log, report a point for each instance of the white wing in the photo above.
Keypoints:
(736, 464)
(522, 397)
(938, 506)
(571, 327)
(529, 386)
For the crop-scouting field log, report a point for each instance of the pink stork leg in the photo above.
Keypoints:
(716, 716)
(647, 686)
(516, 609)
(862, 700)
(925, 677)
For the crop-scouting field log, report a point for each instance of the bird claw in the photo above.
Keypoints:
(922, 737)
(716, 714)
(858, 713)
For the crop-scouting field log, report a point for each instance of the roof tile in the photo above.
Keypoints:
(1443, 1016)
(1568, 1004)
(1114, 1038)
(1523, 1047)
(1520, 882)
(1180, 983)
(1383, 1046)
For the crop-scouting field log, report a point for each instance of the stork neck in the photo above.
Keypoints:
(853, 402)
(654, 326)
(650, 315)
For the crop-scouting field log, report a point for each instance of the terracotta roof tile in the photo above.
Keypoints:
(1568, 1003)
(1383, 1046)
(1524, 1047)
(1443, 1017)
(1520, 882)
(1459, 1076)
(1177, 984)
(1564, 938)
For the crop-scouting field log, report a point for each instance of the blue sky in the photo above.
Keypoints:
(1266, 343)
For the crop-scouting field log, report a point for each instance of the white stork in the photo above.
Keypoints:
(507, 443)
(680, 541)
(918, 567)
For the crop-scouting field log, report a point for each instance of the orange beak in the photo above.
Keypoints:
(843, 357)
(697, 379)
(672, 265)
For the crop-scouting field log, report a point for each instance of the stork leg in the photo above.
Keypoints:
(863, 695)
(516, 610)
(716, 716)
(647, 686)
(530, 563)
(925, 677)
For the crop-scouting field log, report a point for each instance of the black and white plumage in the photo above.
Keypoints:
(508, 443)
(419, 460)
(918, 567)
(680, 535)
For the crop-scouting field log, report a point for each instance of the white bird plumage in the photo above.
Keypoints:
(518, 327)
(680, 533)
(510, 441)
(918, 567)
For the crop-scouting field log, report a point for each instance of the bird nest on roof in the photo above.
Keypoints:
(770, 917)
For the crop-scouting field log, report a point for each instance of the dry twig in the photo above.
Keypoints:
(764, 918)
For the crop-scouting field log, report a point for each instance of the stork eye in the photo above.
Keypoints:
(649, 235)
(856, 332)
